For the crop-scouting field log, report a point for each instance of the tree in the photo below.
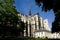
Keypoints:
(8, 19)
(48, 5)
(56, 23)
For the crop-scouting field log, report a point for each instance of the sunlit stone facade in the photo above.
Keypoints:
(33, 23)
(45, 24)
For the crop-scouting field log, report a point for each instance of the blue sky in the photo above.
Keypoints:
(24, 6)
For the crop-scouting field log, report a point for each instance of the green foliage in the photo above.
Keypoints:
(9, 19)
(49, 4)
(33, 39)
(56, 23)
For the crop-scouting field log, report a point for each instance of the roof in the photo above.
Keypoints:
(42, 30)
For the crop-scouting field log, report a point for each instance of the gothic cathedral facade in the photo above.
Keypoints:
(32, 23)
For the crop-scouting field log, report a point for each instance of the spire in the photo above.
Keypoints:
(37, 13)
(29, 12)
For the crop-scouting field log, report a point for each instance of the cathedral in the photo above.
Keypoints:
(33, 23)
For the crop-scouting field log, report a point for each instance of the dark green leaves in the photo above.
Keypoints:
(49, 4)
